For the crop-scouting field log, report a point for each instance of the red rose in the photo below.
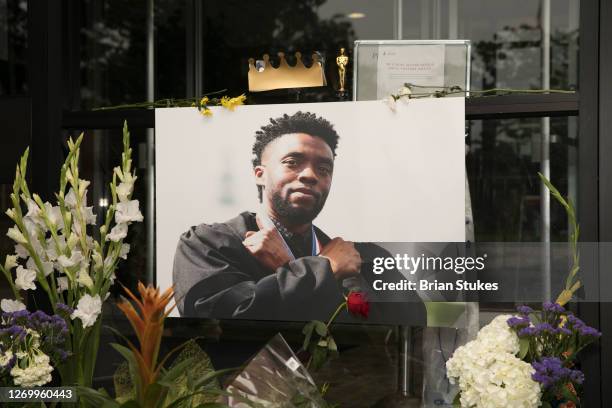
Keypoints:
(357, 304)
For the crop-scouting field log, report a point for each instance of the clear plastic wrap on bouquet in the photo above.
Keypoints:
(274, 377)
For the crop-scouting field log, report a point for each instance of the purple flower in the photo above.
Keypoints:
(544, 328)
(527, 331)
(63, 309)
(563, 330)
(524, 310)
(518, 322)
(587, 331)
(549, 371)
(553, 307)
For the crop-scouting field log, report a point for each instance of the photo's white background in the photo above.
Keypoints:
(398, 176)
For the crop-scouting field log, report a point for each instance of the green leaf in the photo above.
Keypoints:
(319, 357)
(155, 395)
(320, 328)
(523, 347)
(167, 378)
(307, 331)
(457, 400)
(331, 344)
(212, 405)
(132, 363)
(131, 404)
(94, 398)
(545, 404)
(212, 376)
(569, 395)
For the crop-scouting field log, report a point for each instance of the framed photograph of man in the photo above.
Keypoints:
(272, 211)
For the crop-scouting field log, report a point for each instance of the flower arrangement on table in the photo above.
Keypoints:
(56, 253)
(527, 360)
(29, 343)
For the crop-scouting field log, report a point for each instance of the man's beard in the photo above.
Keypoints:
(296, 215)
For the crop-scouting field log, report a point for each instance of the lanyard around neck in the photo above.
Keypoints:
(315, 247)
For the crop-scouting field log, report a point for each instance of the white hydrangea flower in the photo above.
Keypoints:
(25, 278)
(118, 232)
(10, 305)
(128, 212)
(88, 309)
(75, 258)
(489, 374)
(497, 335)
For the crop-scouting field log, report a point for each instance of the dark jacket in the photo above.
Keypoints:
(215, 276)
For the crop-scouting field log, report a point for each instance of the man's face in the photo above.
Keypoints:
(296, 174)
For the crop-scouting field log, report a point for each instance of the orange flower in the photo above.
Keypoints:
(147, 320)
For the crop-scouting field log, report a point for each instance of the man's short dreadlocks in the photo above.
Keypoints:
(300, 122)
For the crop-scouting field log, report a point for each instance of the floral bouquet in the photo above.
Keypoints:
(29, 342)
(526, 360)
(55, 252)
(550, 340)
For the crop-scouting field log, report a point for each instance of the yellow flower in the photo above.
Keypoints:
(231, 103)
(206, 112)
(204, 101)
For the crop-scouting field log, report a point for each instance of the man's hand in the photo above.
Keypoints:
(344, 259)
(267, 247)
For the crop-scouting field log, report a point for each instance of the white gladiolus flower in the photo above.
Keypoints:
(21, 252)
(74, 259)
(16, 235)
(55, 216)
(10, 262)
(32, 227)
(83, 184)
(47, 266)
(10, 305)
(25, 278)
(70, 200)
(33, 209)
(118, 232)
(11, 213)
(90, 217)
(88, 309)
(62, 284)
(125, 250)
(128, 212)
(73, 240)
(84, 279)
(51, 249)
(124, 190)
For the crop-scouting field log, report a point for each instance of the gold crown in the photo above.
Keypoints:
(266, 78)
